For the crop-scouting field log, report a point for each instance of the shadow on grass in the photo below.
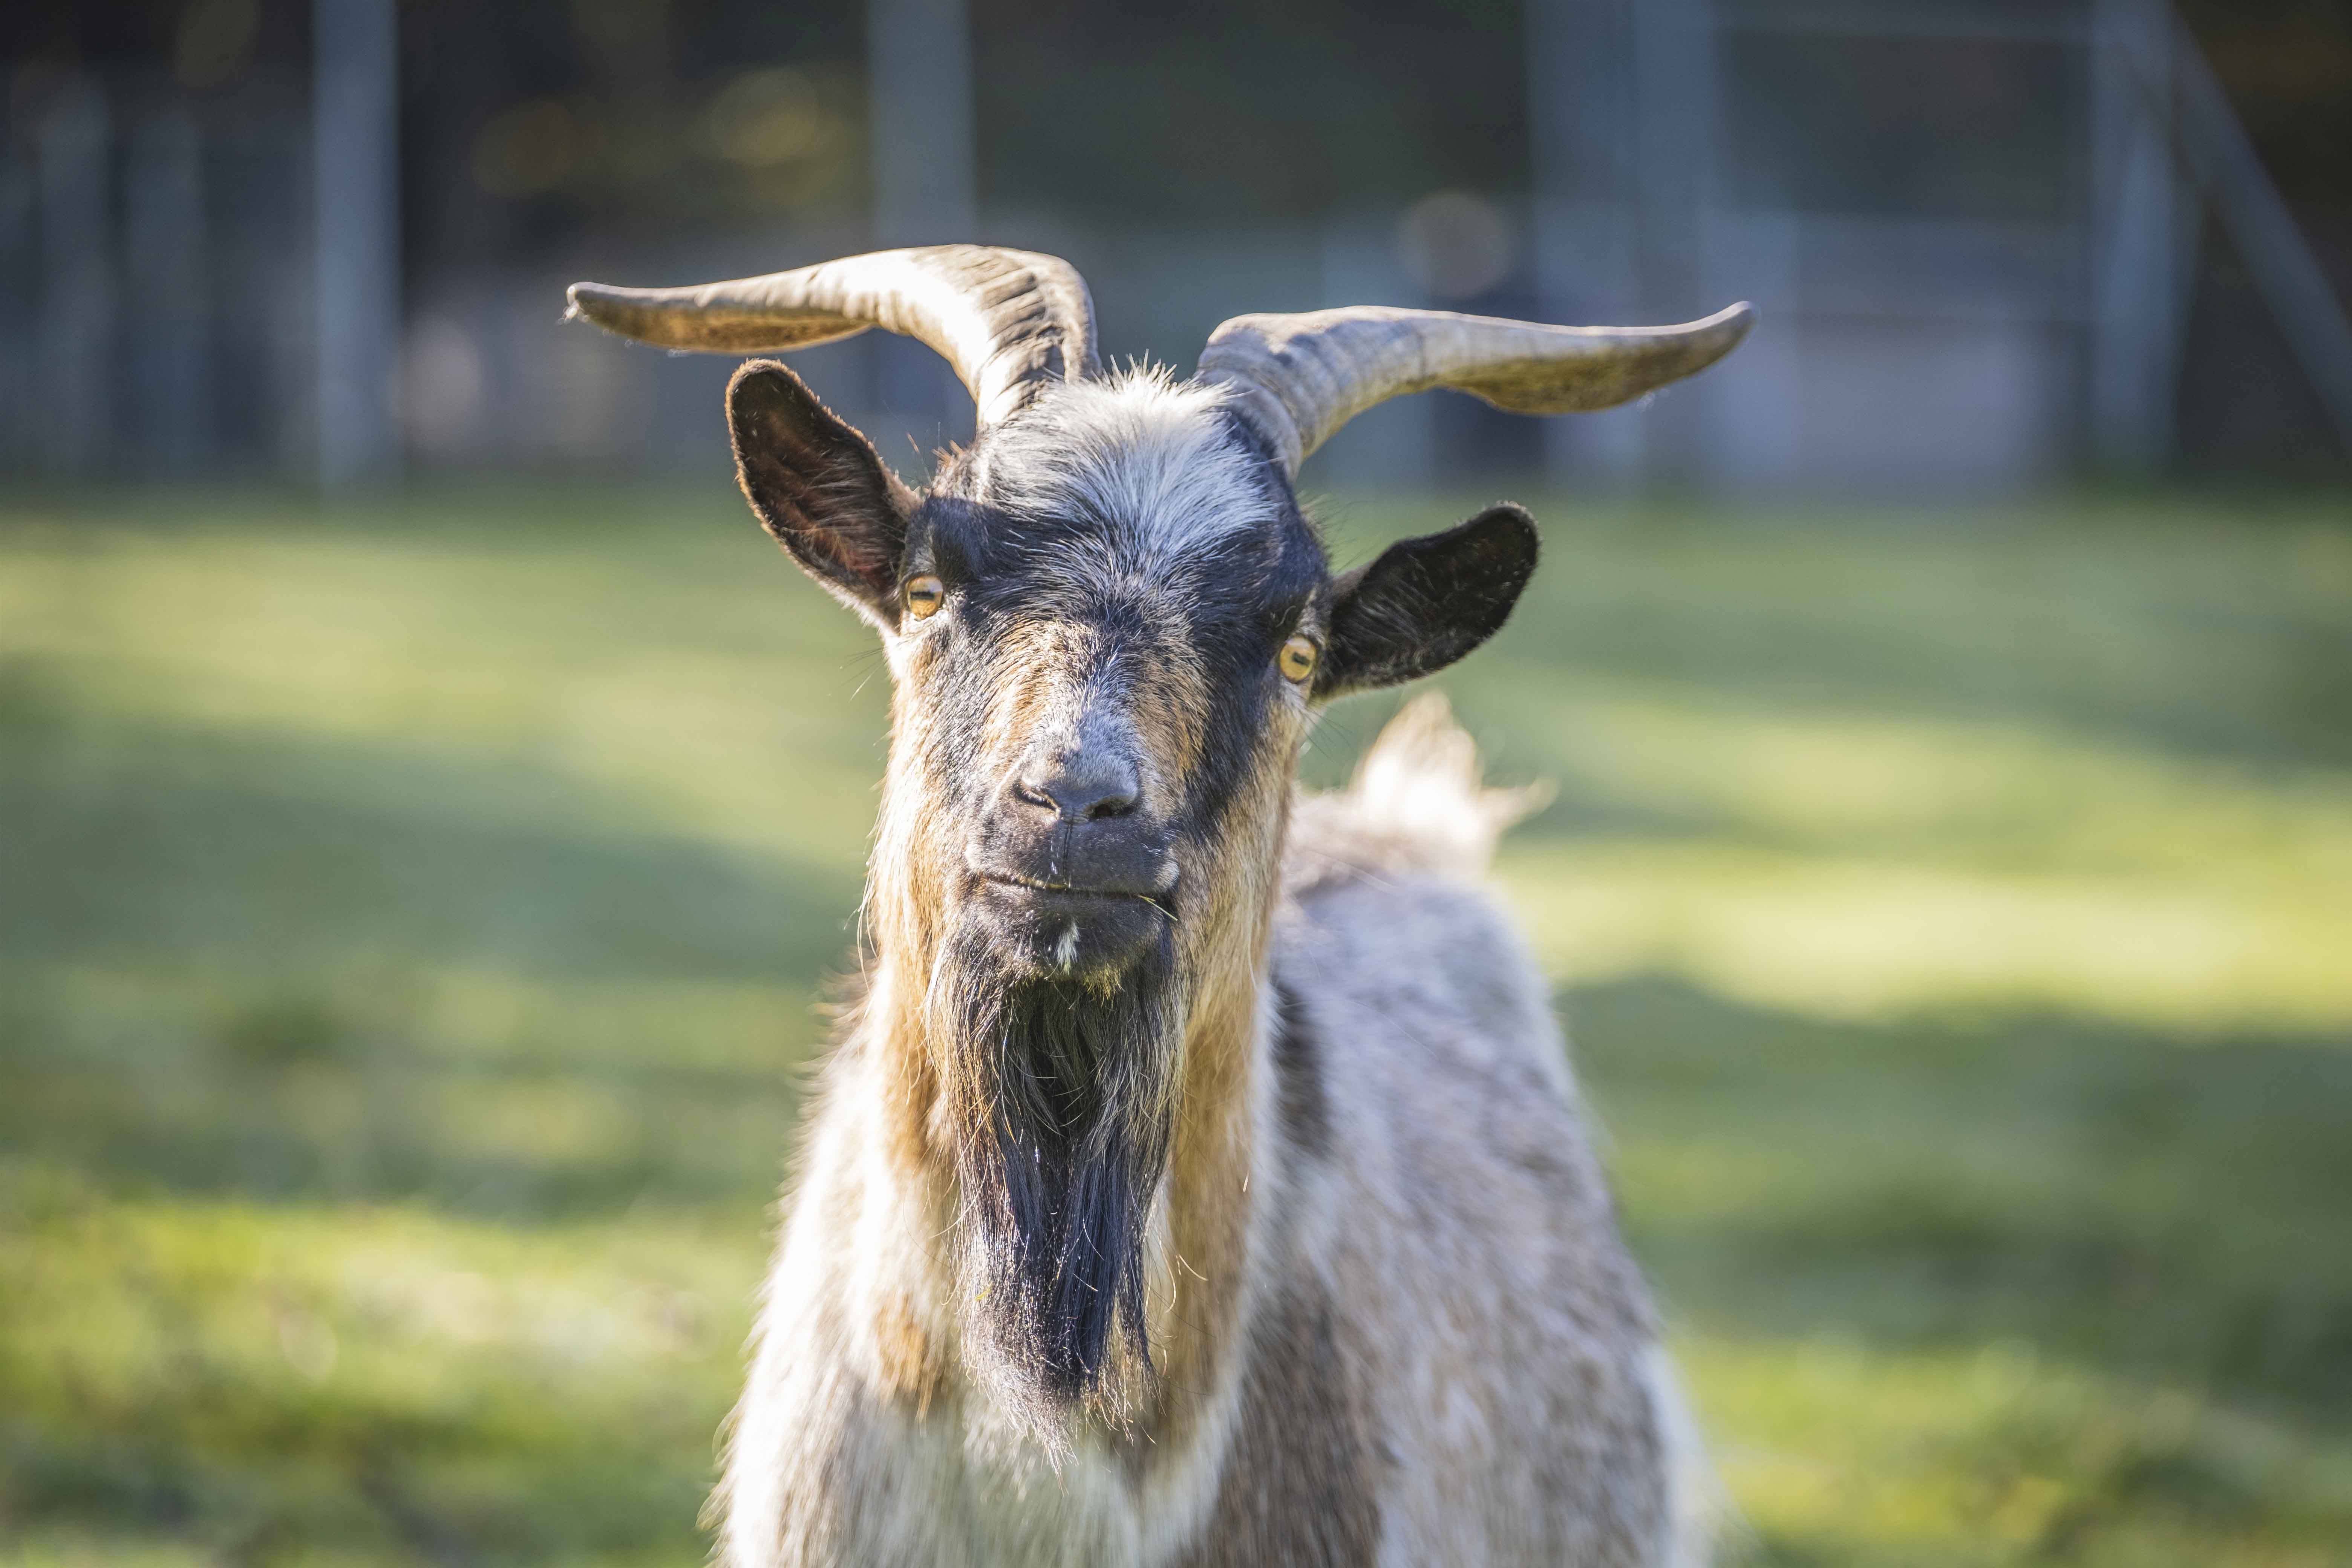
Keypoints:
(2172, 1211)
(328, 974)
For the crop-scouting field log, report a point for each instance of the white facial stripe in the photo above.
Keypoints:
(1137, 450)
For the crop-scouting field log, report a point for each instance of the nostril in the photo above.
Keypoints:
(1032, 794)
(1110, 805)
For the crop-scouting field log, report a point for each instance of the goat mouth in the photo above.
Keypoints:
(1036, 885)
(1044, 927)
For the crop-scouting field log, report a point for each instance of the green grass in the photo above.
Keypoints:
(411, 921)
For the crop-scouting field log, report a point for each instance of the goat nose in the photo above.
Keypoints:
(1086, 787)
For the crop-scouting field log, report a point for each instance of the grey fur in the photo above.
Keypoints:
(1444, 1353)
(1160, 457)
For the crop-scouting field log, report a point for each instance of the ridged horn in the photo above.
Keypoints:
(1299, 378)
(1009, 321)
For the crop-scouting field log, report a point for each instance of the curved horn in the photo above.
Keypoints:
(1299, 378)
(1008, 320)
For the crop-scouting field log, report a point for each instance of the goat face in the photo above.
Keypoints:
(1109, 625)
(1108, 622)
(1110, 726)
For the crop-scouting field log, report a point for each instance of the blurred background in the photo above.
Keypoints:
(1996, 243)
(429, 811)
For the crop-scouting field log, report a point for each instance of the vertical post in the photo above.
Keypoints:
(1394, 446)
(77, 356)
(356, 214)
(918, 66)
(1753, 407)
(1675, 81)
(19, 310)
(1580, 119)
(2136, 262)
(164, 257)
(925, 173)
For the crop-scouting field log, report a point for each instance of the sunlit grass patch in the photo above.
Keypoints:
(363, 1376)
(1855, 936)
(68, 1548)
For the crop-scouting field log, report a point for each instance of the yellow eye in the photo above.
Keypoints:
(923, 595)
(1297, 659)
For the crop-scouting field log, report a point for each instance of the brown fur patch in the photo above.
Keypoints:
(1210, 1200)
(1044, 669)
(910, 1364)
(1169, 708)
(1037, 663)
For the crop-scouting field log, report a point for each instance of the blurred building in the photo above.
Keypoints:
(1995, 243)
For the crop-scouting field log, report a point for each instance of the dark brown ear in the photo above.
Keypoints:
(1426, 602)
(819, 487)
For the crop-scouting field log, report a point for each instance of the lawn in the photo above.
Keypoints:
(412, 919)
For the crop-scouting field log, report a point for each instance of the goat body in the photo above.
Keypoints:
(1197, 1177)
(1410, 1334)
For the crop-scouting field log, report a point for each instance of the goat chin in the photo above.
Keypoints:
(1060, 1092)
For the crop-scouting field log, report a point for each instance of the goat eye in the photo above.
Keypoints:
(923, 595)
(1297, 659)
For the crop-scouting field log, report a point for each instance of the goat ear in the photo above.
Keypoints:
(819, 487)
(1425, 602)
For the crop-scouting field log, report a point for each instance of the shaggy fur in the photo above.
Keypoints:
(1432, 1349)
(1202, 1184)
(1164, 457)
(1058, 1084)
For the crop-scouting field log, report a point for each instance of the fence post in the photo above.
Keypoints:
(2138, 267)
(1580, 115)
(925, 185)
(1676, 82)
(166, 283)
(356, 215)
(78, 353)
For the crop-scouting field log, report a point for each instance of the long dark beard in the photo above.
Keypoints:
(1062, 1092)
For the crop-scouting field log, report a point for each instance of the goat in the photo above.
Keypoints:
(1196, 1175)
